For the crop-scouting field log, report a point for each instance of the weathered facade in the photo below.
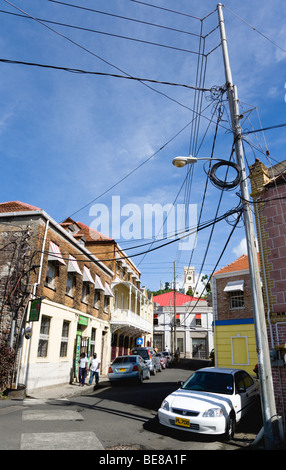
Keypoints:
(74, 312)
(132, 310)
(88, 291)
(268, 187)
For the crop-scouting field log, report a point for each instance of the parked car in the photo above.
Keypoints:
(212, 401)
(212, 357)
(169, 357)
(163, 359)
(149, 356)
(128, 367)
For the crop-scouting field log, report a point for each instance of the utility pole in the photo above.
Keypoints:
(270, 421)
(175, 310)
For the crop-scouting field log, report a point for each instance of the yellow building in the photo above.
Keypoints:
(234, 332)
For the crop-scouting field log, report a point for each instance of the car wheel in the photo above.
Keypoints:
(230, 427)
(140, 378)
(154, 370)
(148, 376)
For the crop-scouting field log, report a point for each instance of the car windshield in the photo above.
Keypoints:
(143, 353)
(210, 382)
(124, 359)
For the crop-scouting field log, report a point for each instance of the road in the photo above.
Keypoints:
(111, 418)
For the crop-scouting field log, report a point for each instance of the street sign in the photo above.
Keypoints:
(139, 341)
(28, 332)
(35, 309)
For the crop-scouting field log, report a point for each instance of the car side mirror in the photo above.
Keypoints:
(180, 383)
(241, 389)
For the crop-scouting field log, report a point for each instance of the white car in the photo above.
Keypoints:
(211, 401)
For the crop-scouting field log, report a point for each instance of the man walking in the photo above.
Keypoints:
(94, 369)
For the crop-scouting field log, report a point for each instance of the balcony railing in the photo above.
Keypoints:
(125, 317)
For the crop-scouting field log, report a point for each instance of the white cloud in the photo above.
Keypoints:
(241, 248)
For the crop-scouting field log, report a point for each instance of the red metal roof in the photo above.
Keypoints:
(167, 299)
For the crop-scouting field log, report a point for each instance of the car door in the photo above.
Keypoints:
(246, 391)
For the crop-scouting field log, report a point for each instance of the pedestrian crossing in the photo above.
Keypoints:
(65, 440)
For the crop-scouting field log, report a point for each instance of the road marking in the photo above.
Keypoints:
(30, 415)
(60, 441)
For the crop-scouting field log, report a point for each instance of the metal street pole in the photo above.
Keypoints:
(175, 311)
(270, 422)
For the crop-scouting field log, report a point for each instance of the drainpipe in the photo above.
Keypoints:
(33, 295)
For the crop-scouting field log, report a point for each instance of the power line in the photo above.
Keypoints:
(256, 30)
(167, 9)
(88, 72)
(124, 18)
(41, 20)
(264, 129)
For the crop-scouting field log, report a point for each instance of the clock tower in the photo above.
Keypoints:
(189, 278)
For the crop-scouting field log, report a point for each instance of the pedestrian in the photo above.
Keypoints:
(83, 362)
(94, 369)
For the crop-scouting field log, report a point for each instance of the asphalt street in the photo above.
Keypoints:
(107, 419)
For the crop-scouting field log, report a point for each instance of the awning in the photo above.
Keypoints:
(73, 266)
(108, 291)
(98, 284)
(233, 286)
(87, 276)
(55, 254)
(198, 316)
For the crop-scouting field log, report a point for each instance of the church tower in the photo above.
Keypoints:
(189, 278)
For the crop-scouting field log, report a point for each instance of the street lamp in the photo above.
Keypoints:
(179, 162)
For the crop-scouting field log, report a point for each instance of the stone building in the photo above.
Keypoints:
(132, 310)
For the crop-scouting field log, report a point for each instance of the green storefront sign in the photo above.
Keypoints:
(83, 320)
(35, 309)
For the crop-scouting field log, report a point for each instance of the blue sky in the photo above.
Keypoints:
(72, 141)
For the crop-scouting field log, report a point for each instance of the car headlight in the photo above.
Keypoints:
(213, 413)
(165, 405)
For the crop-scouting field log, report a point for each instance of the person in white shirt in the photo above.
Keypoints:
(83, 362)
(94, 369)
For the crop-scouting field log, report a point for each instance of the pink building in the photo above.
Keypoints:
(269, 195)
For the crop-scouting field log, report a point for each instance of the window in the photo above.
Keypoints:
(52, 273)
(65, 338)
(70, 287)
(236, 299)
(44, 336)
(92, 341)
(106, 303)
(96, 298)
(85, 292)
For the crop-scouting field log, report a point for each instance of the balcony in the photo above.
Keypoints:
(129, 322)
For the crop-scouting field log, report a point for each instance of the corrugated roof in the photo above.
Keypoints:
(17, 206)
(167, 299)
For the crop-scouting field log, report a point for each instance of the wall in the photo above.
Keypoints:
(235, 344)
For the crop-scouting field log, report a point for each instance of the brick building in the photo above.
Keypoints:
(268, 186)
(132, 313)
(234, 332)
(75, 288)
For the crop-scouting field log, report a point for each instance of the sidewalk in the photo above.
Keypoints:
(67, 390)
